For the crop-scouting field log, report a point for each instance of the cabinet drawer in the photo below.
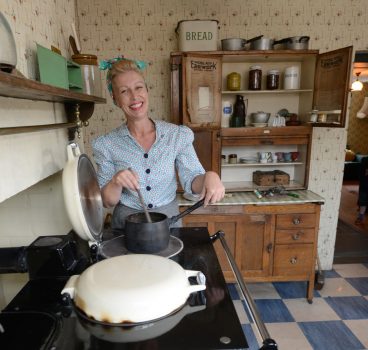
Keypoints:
(293, 259)
(295, 236)
(295, 220)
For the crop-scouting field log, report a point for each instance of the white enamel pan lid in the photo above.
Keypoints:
(82, 195)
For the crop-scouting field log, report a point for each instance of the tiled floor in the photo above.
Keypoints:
(337, 319)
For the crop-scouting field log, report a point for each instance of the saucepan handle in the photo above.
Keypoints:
(185, 212)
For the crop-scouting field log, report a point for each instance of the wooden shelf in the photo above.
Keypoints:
(239, 186)
(240, 165)
(23, 88)
(266, 92)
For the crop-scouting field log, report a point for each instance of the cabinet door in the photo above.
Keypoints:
(255, 245)
(331, 85)
(207, 144)
(231, 226)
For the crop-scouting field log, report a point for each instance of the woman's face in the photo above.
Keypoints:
(130, 94)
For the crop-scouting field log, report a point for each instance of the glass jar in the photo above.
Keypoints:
(233, 158)
(233, 81)
(273, 79)
(255, 78)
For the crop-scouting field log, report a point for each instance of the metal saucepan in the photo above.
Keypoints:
(233, 44)
(294, 43)
(122, 333)
(132, 289)
(263, 44)
(145, 237)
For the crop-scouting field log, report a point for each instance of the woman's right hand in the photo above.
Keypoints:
(111, 192)
(126, 178)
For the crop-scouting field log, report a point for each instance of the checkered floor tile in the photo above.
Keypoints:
(337, 319)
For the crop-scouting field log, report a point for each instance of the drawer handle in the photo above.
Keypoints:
(296, 236)
(296, 221)
(293, 260)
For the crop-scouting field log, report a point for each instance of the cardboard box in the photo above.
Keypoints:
(197, 35)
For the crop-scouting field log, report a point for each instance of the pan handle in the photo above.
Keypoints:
(268, 343)
(185, 212)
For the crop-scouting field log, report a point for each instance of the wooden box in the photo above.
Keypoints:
(263, 178)
(281, 178)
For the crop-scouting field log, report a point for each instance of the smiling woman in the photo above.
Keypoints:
(145, 154)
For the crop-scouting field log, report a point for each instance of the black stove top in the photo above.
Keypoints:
(37, 318)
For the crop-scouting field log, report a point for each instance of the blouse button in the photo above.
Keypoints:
(145, 155)
(150, 205)
(148, 171)
(148, 188)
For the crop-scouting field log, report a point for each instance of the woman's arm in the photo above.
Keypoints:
(111, 192)
(209, 186)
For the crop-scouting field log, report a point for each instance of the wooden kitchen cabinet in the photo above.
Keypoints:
(324, 83)
(269, 242)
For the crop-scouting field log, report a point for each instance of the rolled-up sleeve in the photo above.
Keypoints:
(187, 162)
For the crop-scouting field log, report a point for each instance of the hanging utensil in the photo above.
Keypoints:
(73, 44)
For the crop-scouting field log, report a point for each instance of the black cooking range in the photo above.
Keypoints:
(39, 317)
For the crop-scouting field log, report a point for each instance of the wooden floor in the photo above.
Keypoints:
(351, 239)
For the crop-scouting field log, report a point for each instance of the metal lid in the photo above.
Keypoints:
(90, 196)
(82, 195)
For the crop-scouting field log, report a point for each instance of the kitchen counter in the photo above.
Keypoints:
(249, 198)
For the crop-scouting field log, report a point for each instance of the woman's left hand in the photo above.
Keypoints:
(212, 189)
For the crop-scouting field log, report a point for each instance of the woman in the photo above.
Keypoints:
(145, 154)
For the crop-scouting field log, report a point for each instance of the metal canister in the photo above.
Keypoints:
(255, 78)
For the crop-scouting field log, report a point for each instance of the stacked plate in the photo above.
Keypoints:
(260, 125)
(248, 160)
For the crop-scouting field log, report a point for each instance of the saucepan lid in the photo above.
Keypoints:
(82, 195)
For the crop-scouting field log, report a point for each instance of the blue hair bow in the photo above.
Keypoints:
(107, 64)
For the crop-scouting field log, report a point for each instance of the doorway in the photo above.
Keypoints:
(352, 240)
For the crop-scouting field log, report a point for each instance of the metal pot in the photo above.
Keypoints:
(233, 44)
(150, 237)
(8, 52)
(132, 289)
(295, 43)
(263, 44)
(122, 333)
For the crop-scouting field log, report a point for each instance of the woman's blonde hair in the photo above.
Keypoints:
(121, 67)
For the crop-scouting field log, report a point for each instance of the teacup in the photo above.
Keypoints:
(287, 156)
(294, 156)
(280, 156)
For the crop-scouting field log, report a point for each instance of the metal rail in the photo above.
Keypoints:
(268, 343)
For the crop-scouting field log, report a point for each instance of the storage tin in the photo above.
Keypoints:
(197, 35)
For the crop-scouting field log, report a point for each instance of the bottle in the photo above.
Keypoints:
(238, 118)
(255, 78)
(226, 114)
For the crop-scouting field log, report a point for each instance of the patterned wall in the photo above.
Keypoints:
(146, 29)
(358, 128)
